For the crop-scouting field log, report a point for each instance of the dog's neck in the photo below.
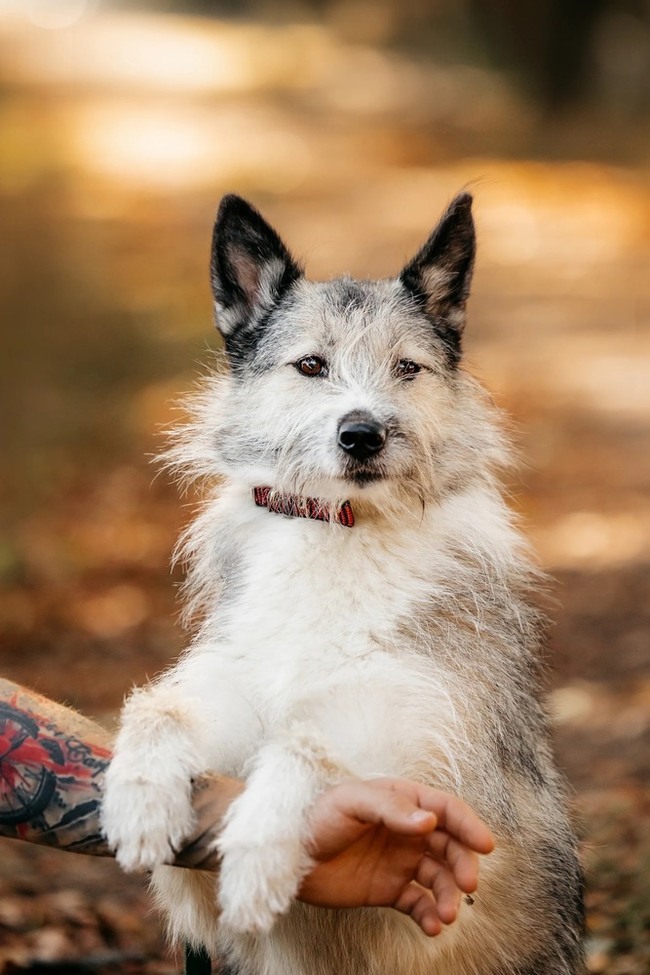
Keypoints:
(296, 506)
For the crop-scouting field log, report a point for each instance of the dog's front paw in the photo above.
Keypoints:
(258, 883)
(145, 822)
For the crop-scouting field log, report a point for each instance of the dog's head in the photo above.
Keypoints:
(344, 388)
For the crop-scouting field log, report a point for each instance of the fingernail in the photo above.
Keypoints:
(421, 816)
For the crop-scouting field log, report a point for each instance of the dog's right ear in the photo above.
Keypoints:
(250, 268)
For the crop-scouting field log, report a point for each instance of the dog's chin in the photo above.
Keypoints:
(359, 480)
(363, 478)
(334, 488)
(363, 481)
(364, 474)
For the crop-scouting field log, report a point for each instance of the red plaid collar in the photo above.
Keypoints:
(297, 507)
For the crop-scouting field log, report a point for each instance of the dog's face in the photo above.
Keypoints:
(346, 387)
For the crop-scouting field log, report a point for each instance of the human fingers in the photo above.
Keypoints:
(462, 863)
(456, 818)
(386, 802)
(420, 905)
(438, 878)
(453, 815)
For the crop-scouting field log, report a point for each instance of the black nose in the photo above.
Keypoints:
(361, 437)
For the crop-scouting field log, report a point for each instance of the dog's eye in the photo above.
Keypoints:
(407, 369)
(311, 365)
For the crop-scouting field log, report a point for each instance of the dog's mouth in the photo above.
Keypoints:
(364, 473)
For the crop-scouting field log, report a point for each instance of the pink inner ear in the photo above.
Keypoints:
(247, 274)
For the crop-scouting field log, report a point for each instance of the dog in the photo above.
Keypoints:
(365, 606)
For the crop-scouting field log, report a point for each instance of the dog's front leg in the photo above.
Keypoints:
(264, 842)
(147, 809)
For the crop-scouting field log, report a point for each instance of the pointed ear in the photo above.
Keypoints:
(250, 268)
(439, 275)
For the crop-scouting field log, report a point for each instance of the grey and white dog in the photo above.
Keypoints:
(365, 609)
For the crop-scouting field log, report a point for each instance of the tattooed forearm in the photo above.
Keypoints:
(52, 765)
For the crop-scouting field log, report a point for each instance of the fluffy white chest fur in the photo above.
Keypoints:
(308, 628)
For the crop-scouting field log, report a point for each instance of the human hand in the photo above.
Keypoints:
(395, 843)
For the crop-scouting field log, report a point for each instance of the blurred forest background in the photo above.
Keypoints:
(351, 123)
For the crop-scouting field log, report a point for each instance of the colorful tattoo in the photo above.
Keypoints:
(50, 781)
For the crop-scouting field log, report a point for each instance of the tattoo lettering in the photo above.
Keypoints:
(50, 782)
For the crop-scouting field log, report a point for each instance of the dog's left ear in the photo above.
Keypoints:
(439, 275)
(250, 268)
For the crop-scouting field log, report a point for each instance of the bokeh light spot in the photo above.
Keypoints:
(56, 14)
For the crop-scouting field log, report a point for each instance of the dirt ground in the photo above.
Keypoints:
(109, 176)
